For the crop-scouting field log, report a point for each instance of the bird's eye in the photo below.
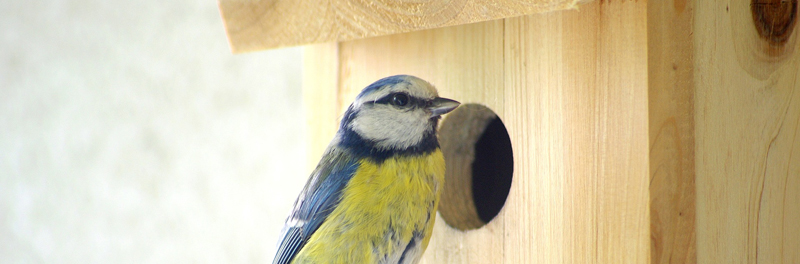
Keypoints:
(400, 99)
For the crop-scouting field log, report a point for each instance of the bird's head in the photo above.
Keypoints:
(396, 113)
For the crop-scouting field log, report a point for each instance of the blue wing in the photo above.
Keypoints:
(317, 200)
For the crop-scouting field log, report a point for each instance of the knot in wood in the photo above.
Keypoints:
(774, 19)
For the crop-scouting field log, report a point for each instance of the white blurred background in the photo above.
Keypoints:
(130, 134)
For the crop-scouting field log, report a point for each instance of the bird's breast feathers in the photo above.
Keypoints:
(385, 215)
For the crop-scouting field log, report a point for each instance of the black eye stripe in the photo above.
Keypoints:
(412, 101)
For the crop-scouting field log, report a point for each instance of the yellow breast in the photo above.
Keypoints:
(381, 209)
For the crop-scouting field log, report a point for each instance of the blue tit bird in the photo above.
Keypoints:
(373, 196)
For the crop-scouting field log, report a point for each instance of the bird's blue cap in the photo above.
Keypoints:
(391, 80)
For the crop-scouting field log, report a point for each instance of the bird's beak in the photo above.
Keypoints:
(440, 106)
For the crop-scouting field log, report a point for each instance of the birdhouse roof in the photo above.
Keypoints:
(263, 24)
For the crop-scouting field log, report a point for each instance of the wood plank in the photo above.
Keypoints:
(260, 24)
(747, 105)
(571, 87)
(577, 117)
(576, 104)
(320, 82)
(671, 118)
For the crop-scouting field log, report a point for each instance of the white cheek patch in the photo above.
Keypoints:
(391, 128)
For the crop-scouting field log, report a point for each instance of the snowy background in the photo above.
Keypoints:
(129, 133)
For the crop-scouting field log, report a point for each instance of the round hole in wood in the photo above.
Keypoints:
(480, 165)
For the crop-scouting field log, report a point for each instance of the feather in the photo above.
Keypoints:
(317, 200)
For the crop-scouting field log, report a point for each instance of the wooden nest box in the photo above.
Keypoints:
(628, 131)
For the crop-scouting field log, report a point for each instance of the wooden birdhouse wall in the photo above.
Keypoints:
(574, 101)
(642, 131)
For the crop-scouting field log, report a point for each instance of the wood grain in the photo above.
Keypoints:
(571, 87)
(747, 145)
(321, 77)
(458, 135)
(671, 119)
(720, 108)
(576, 108)
(260, 24)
